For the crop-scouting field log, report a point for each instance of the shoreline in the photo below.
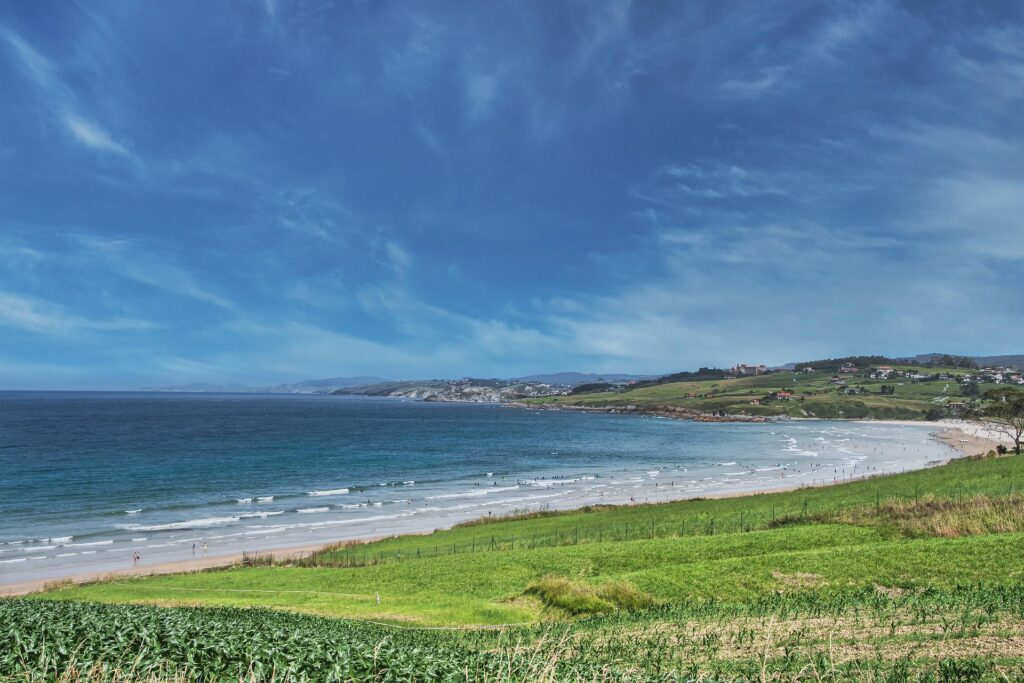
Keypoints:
(965, 444)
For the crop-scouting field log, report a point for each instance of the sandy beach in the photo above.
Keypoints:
(969, 437)
(963, 438)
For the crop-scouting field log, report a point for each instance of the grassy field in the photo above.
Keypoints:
(914, 576)
(814, 395)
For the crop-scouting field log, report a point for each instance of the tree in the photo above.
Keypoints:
(1005, 414)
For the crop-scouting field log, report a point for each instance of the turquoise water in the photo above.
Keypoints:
(90, 478)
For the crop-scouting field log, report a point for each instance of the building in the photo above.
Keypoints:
(742, 369)
(882, 372)
(957, 407)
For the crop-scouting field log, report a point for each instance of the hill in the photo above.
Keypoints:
(820, 389)
(308, 386)
(891, 578)
(576, 378)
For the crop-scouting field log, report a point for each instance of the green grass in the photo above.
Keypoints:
(734, 548)
(914, 576)
(957, 479)
(494, 588)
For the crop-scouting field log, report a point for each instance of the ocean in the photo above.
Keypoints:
(88, 479)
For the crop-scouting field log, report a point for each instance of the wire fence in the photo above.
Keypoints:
(705, 524)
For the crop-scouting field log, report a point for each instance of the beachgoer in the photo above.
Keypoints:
(205, 548)
(193, 550)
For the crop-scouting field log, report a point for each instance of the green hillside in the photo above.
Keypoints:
(822, 394)
(901, 576)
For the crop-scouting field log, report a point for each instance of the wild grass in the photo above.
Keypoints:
(958, 480)
(575, 598)
(928, 516)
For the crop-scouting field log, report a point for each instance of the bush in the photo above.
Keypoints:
(625, 596)
(576, 598)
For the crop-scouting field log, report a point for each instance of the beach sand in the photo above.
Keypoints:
(970, 438)
(178, 567)
(964, 437)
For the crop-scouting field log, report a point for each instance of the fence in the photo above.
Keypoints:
(704, 524)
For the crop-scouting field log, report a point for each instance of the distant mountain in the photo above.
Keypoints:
(988, 361)
(204, 388)
(982, 361)
(925, 358)
(464, 389)
(309, 386)
(576, 378)
(334, 383)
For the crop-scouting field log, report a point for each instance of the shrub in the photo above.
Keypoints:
(576, 598)
(625, 596)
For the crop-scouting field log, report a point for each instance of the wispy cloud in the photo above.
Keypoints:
(134, 261)
(35, 315)
(60, 98)
(91, 135)
(768, 80)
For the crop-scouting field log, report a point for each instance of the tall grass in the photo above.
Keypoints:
(928, 516)
(577, 598)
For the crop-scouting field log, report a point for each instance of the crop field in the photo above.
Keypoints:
(914, 576)
(966, 633)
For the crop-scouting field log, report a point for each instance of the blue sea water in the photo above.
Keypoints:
(89, 478)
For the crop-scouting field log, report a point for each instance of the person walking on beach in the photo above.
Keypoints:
(193, 550)
(205, 548)
(135, 558)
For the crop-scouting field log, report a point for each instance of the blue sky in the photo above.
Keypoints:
(272, 191)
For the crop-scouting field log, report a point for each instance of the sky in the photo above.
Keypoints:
(271, 191)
